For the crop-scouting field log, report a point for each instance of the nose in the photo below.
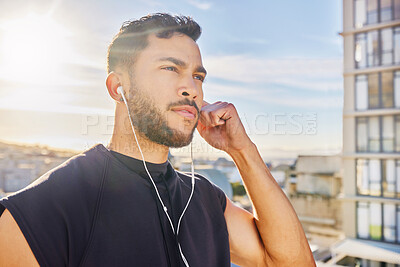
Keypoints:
(189, 89)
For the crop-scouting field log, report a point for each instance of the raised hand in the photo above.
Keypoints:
(220, 126)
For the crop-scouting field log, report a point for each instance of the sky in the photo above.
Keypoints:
(278, 62)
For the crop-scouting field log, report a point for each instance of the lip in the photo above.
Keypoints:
(186, 111)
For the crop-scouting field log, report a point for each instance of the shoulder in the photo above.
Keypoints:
(76, 179)
(61, 186)
(201, 180)
(87, 162)
(207, 190)
(58, 206)
(77, 171)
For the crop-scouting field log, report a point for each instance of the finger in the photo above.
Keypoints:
(211, 107)
(206, 118)
(217, 107)
(224, 112)
(205, 103)
(220, 116)
(215, 115)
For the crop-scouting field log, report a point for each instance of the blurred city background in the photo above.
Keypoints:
(316, 84)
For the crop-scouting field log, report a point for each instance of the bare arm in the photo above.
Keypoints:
(14, 250)
(273, 235)
(282, 241)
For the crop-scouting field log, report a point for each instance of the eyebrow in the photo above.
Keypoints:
(182, 64)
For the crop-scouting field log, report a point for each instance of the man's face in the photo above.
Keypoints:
(165, 90)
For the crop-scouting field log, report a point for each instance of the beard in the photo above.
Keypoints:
(152, 122)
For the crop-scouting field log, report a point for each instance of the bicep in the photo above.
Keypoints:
(245, 243)
(14, 248)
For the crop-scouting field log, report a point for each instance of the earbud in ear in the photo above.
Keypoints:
(119, 90)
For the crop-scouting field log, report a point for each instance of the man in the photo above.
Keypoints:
(106, 207)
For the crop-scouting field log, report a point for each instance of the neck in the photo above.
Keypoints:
(123, 140)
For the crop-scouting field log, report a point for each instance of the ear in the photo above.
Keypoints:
(113, 81)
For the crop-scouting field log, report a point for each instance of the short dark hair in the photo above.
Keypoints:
(133, 36)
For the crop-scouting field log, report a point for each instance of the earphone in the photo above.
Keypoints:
(119, 90)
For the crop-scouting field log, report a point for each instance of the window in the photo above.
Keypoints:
(373, 134)
(377, 90)
(388, 134)
(362, 92)
(375, 218)
(386, 10)
(387, 90)
(389, 178)
(389, 222)
(360, 13)
(375, 11)
(387, 46)
(398, 223)
(377, 221)
(375, 178)
(397, 133)
(372, 49)
(362, 176)
(396, 85)
(378, 134)
(398, 180)
(396, 48)
(362, 134)
(378, 47)
(379, 178)
(373, 90)
(396, 9)
(361, 50)
(369, 220)
(372, 11)
(362, 220)
(369, 177)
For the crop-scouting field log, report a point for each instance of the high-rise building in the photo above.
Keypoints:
(371, 134)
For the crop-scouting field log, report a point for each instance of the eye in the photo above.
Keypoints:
(199, 77)
(170, 68)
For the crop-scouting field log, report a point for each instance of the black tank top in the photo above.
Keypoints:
(100, 209)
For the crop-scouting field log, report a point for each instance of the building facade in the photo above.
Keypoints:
(318, 184)
(371, 133)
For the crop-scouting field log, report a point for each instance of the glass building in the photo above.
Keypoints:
(371, 134)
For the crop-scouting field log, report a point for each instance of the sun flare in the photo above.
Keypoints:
(32, 48)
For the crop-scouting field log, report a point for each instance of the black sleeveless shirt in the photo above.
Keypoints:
(99, 208)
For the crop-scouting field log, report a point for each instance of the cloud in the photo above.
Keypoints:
(309, 74)
(56, 108)
(67, 74)
(288, 82)
(337, 41)
(304, 101)
(273, 96)
(200, 4)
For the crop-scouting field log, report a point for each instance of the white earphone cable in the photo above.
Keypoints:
(154, 185)
(191, 193)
